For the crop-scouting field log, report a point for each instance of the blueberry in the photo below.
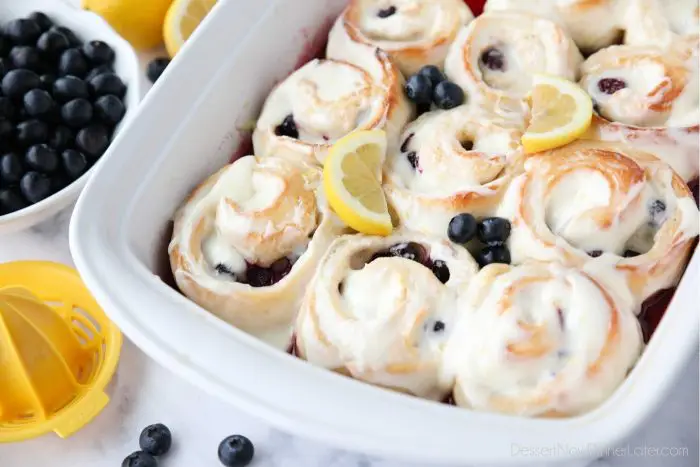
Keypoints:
(7, 108)
(35, 186)
(77, 113)
(494, 230)
(139, 459)
(439, 326)
(236, 451)
(72, 62)
(411, 250)
(5, 66)
(68, 88)
(52, 43)
(611, 85)
(43, 21)
(98, 53)
(5, 46)
(42, 158)
(419, 89)
(47, 81)
(38, 102)
(493, 59)
(259, 276)
(595, 253)
(433, 73)
(32, 132)
(493, 254)
(7, 131)
(630, 254)
(11, 168)
(386, 12)
(280, 269)
(92, 140)
(70, 35)
(61, 137)
(462, 228)
(412, 159)
(24, 56)
(467, 145)
(98, 70)
(156, 67)
(288, 127)
(107, 83)
(22, 31)
(11, 201)
(448, 95)
(155, 439)
(441, 271)
(109, 109)
(17, 83)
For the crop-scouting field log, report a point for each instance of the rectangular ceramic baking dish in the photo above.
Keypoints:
(187, 127)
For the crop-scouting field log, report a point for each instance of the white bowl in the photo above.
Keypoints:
(185, 129)
(88, 26)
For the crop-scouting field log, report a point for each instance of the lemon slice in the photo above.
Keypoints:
(352, 180)
(561, 112)
(182, 19)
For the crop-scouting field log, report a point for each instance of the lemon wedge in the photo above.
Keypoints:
(352, 181)
(182, 19)
(139, 22)
(561, 113)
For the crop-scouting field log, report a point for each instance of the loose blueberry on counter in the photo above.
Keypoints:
(42, 158)
(611, 85)
(236, 451)
(387, 12)
(42, 20)
(47, 81)
(11, 168)
(433, 73)
(493, 254)
(98, 70)
(462, 228)
(140, 459)
(92, 140)
(493, 230)
(22, 31)
(448, 95)
(38, 102)
(5, 66)
(61, 137)
(156, 67)
(411, 250)
(109, 109)
(70, 35)
(72, 62)
(24, 56)
(77, 113)
(16, 83)
(67, 88)
(35, 186)
(98, 53)
(31, 132)
(288, 127)
(7, 108)
(441, 271)
(52, 43)
(493, 59)
(11, 201)
(419, 89)
(107, 83)
(155, 439)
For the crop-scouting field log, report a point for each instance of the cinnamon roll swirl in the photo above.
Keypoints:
(248, 239)
(325, 100)
(541, 340)
(494, 58)
(450, 162)
(604, 207)
(413, 32)
(663, 23)
(380, 309)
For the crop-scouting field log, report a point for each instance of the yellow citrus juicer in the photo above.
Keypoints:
(58, 351)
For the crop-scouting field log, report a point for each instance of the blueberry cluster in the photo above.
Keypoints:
(418, 253)
(59, 103)
(430, 86)
(492, 232)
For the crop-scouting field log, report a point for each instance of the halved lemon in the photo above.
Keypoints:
(352, 180)
(561, 113)
(182, 19)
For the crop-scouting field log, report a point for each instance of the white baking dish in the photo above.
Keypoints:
(185, 129)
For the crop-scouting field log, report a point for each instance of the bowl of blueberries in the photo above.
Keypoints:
(67, 82)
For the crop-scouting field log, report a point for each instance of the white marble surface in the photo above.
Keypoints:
(142, 393)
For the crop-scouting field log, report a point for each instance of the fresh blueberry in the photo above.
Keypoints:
(411, 250)
(493, 230)
(236, 451)
(156, 67)
(72, 62)
(42, 158)
(11, 168)
(32, 132)
(98, 53)
(441, 271)
(35, 186)
(77, 113)
(38, 102)
(107, 83)
(52, 43)
(61, 137)
(68, 88)
(155, 439)
(92, 140)
(7, 131)
(72, 38)
(259, 276)
(280, 269)
(140, 459)
(386, 12)
(433, 73)
(595, 253)
(24, 56)
(448, 95)
(493, 254)
(462, 228)
(412, 159)
(493, 59)
(11, 201)
(74, 165)
(5, 66)
(611, 85)
(17, 83)
(47, 81)
(22, 31)
(439, 326)
(98, 70)
(109, 109)
(288, 127)
(419, 89)
(41, 19)
(7, 108)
